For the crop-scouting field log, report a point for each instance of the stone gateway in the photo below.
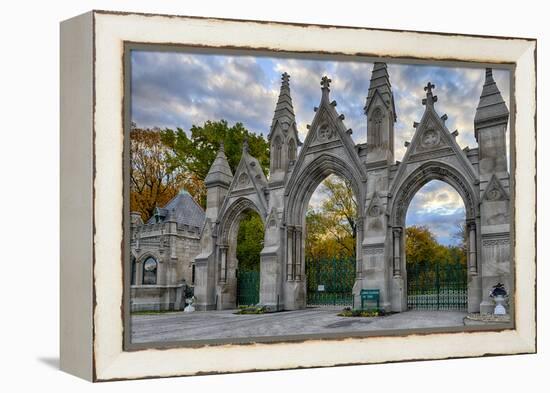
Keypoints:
(383, 189)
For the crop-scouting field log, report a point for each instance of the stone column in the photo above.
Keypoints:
(472, 251)
(398, 288)
(358, 249)
(223, 264)
(397, 252)
(290, 253)
(474, 280)
(298, 253)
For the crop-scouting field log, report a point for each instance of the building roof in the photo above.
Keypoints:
(183, 209)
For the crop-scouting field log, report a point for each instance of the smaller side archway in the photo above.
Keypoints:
(227, 264)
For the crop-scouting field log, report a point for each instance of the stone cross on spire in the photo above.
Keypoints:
(285, 77)
(430, 98)
(325, 82)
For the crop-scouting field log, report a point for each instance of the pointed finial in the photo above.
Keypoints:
(325, 82)
(488, 74)
(430, 98)
(245, 145)
(222, 147)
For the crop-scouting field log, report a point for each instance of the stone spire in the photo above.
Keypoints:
(220, 172)
(283, 135)
(491, 108)
(380, 82)
(284, 111)
(490, 123)
(381, 117)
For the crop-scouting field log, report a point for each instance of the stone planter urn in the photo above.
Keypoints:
(189, 302)
(500, 296)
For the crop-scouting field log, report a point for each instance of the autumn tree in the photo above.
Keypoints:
(332, 227)
(153, 180)
(422, 247)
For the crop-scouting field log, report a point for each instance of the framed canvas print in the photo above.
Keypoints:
(245, 195)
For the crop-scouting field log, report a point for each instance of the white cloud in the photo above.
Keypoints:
(178, 90)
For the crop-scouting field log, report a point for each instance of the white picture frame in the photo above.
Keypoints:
(92, 91)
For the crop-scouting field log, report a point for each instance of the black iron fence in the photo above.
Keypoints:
(437, 286)
(330, 281)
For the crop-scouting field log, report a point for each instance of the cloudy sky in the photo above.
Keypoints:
(174, 89)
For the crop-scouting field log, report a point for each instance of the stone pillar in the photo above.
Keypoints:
(290, 253)
(358, 249)
(298, 273)
(294, 286)
(271, 267)
(223, 264)
(205, 271)
(472, 249)
(397, 252)
(398, 290)
(474, 279)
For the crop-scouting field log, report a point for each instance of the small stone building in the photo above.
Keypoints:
(163, 250)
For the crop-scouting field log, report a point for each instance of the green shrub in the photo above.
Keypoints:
(244, 310)
(348, 312)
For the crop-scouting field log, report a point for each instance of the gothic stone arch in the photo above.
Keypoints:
(413, 179)
(382, 186)
(226, 249)
(299, 191)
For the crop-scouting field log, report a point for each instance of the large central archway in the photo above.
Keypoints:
(297, 197)
(330, 244)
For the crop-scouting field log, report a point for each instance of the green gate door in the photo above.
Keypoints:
(437, 286)
(330, 282)
(248, 287)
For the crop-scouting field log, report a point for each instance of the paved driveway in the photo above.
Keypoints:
(225, 324)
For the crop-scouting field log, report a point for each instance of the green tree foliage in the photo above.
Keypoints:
(250, 239)
(332, 227)
(197, 151)
(422, 247)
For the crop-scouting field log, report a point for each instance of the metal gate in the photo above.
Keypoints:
(437, 286)
(248, 287)
(330, 281)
